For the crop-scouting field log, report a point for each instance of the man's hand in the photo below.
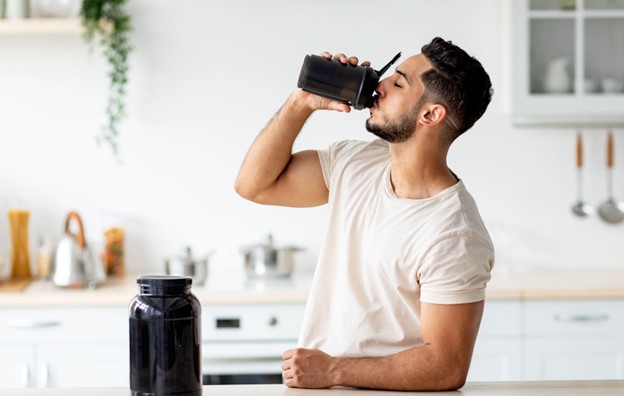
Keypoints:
(308, 368)
(316, 102)
(441, 363)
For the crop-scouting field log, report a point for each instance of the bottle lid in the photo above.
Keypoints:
(164, 285)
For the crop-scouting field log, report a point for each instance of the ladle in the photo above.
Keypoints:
(610, 211)
(580, 208)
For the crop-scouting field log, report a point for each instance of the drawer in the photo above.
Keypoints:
(574, 317)
(74, 324)
(501, 318)
(252, 322)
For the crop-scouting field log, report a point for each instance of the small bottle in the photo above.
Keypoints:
(44, 258)
(165, 338)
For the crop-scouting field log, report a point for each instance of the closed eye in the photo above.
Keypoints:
(397, 85)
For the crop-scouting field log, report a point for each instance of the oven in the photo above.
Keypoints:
(243, 344)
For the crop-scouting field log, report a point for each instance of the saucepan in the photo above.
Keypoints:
(188, 265)
(265, 260)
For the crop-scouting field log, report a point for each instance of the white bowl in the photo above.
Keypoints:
(612, 85)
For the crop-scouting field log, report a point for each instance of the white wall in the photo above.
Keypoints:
(207, 75)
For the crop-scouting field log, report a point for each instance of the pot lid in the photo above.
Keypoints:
(186, 257)
(269, 245)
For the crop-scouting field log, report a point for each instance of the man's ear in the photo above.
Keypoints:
(434, 114)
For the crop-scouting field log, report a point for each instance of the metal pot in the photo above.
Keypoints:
(73, 264)
(267, 261)
(187, 265)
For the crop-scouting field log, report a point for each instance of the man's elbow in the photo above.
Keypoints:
(245, 190)
(447, 376)
(453, 379)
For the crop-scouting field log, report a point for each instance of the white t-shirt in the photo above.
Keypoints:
(383, 255)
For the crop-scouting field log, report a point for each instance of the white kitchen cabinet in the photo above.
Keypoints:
(83, 364)
(64, 347)
(17, 365)
(498, 351)
(566, 62)
(574, 339)
(574, 358)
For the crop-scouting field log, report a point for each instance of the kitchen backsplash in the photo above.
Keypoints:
(206, 76)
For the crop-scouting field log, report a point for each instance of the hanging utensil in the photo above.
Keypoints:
(580, 208)
(610, 210)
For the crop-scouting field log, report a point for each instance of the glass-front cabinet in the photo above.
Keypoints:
(567, 62)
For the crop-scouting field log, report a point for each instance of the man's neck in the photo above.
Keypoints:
(419, 170)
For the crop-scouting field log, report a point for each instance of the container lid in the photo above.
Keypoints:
(164, 285)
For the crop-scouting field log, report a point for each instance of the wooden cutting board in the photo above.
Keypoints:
(14, 285)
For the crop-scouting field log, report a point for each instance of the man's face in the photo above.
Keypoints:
(395, 114)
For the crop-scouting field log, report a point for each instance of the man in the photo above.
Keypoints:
(398, 291)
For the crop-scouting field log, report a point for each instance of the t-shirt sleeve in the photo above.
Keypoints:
(456, 269)
(329, 159)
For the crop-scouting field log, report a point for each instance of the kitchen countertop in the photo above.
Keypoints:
(538, 388)
(120, 290)
(505, 285)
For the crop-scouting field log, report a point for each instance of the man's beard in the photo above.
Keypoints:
(396, 131)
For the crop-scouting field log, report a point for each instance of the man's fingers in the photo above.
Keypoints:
(288, 354)
(353, 60)
(345, 59)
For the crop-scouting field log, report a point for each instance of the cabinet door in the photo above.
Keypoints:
(70, 365)
(16, 366)
(575, 358)
(572, 339)
(567, 61)
(496, 360)
(497, 355)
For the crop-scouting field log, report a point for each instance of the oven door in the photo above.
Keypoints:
(243, 362)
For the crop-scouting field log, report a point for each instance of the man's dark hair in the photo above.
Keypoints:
(459, 83)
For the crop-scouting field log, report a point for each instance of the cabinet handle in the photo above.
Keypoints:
(33, 324)
(25, 375)
(45, 375)
(581, 318)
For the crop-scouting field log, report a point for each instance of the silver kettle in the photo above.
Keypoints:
(73, 264)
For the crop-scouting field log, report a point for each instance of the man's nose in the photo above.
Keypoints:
(380, 88)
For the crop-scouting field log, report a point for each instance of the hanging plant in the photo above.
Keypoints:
(108, 20)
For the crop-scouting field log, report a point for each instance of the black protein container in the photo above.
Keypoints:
(165, 338)
(351, 84)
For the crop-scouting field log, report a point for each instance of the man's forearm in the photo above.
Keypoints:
(272, 149)
(418, 368)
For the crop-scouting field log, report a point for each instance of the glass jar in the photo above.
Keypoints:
(20, 255)
(165, 338)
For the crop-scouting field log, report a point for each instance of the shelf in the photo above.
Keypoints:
(40, 26)
(567, 121)
(603, 14)
(572, 14)
(552, 14)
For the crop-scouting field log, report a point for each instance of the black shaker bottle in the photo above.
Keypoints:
(353, 85)
(165, 338)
